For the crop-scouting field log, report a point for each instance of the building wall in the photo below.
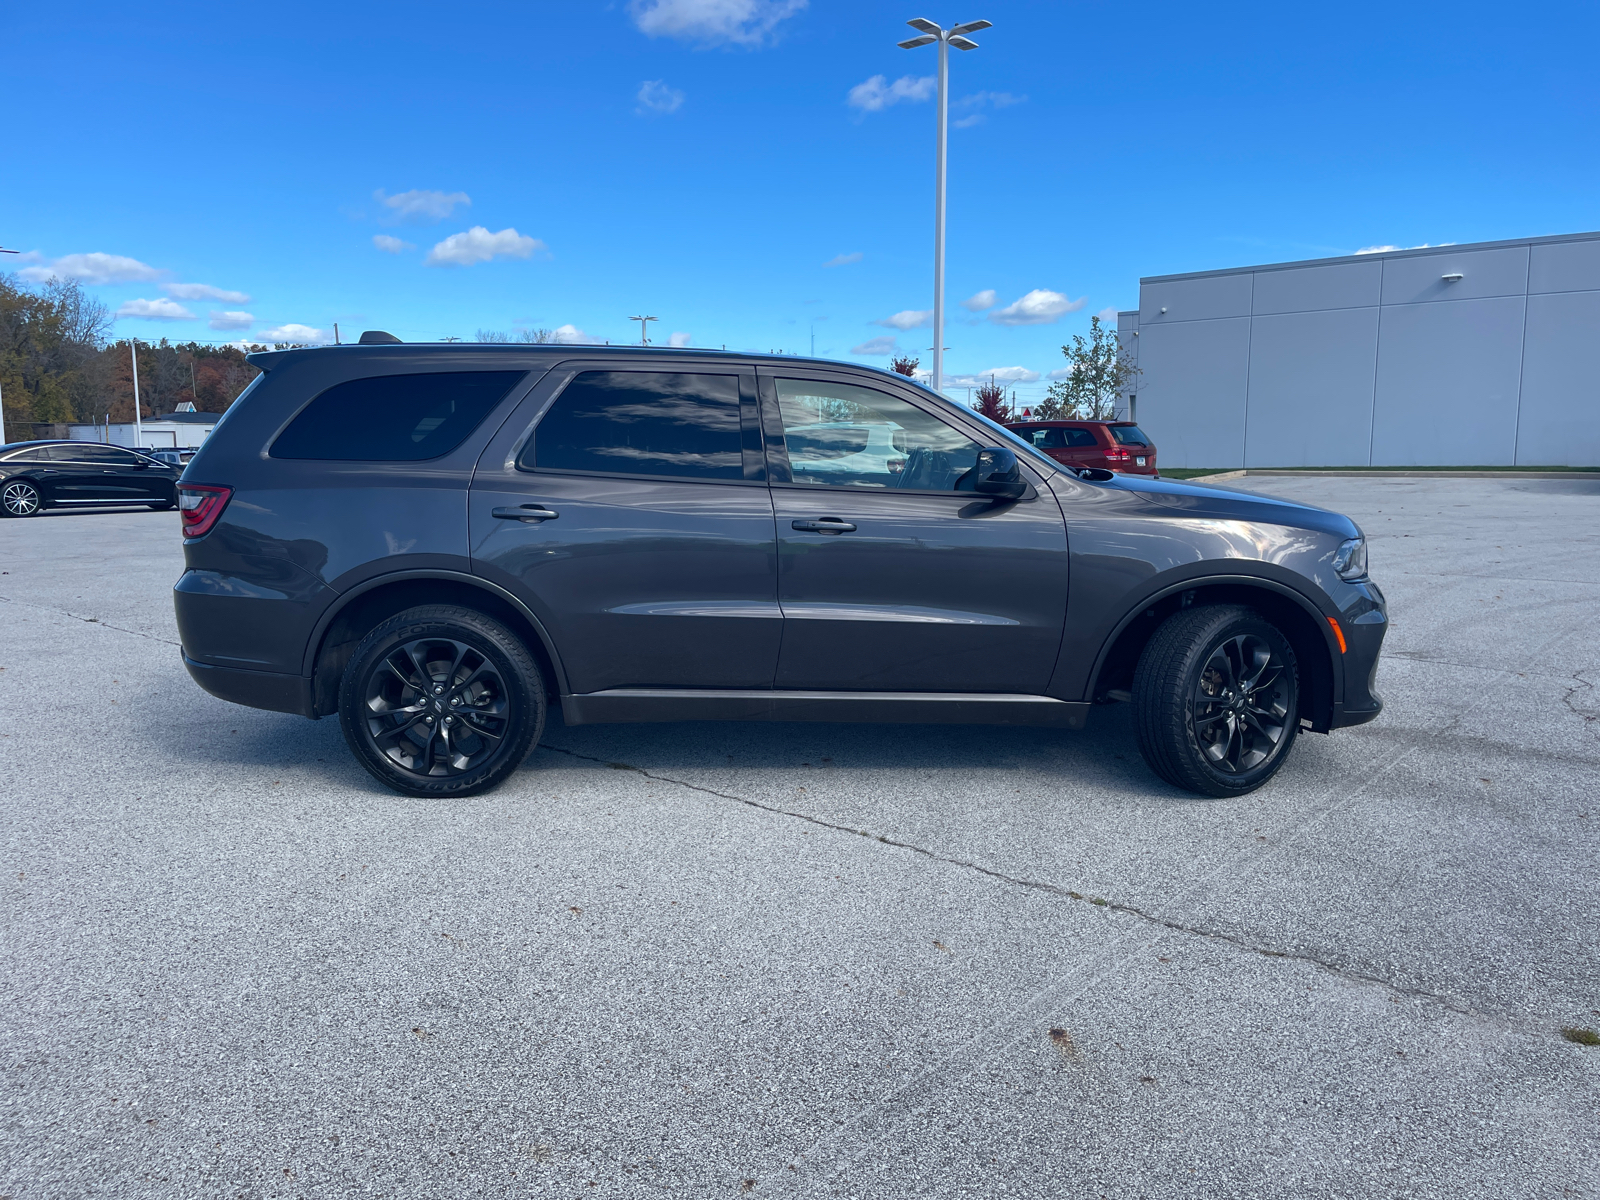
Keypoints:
(1377, 360)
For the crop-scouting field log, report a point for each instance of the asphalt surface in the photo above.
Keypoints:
(807, 961)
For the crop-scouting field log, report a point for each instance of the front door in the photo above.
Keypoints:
(893, 574)
(629, 510)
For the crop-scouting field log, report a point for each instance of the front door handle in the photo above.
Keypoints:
(527, 512)
(825, 525)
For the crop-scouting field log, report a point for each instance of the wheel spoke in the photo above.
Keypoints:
(403, 696)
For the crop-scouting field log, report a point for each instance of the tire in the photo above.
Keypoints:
(1196, 727)
(395, 710)
(19, 498)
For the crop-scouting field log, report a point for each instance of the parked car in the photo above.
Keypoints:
(35, 476)
(1108, 445)
(173, 458)
(437, 542)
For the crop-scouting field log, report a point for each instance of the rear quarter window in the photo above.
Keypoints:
(1130, 435)
(394, 418)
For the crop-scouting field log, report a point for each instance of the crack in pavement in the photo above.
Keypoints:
(1582, 685)
(1343, 972)
(61, 612)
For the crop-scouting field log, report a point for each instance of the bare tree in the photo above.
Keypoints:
(904, 364)
(537, 337)
(491, 335)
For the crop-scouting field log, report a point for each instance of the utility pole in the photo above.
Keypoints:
(954, 36)
(138, 425)
(2, 416)
(643, 340)
(336, 333)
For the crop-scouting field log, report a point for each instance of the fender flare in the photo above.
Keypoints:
(1237, 578)
(320, 629)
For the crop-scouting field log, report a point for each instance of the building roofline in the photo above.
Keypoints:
(1412, 252)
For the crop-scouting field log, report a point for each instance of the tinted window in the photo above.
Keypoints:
(394, 418)
(1130, 435)
(642, 423)
(1079, 437)
(105, 456)
(841, 435)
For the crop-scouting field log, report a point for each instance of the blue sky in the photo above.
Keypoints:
(568, 165)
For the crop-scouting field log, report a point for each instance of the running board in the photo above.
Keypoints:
(619, 705)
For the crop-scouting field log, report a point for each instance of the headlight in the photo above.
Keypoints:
(1351, 558)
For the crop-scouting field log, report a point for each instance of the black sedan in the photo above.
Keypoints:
(39, 475)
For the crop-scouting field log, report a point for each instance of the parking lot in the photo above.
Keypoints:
(813, 960)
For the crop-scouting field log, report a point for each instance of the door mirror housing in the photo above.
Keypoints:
(996, 473)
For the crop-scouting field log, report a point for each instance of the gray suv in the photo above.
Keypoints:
(439, 542)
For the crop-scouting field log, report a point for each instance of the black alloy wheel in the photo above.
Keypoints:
(1217, 697)
(441, 701)
(19, 498)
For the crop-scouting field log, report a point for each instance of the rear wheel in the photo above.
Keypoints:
(1216, 700)
(441, 701)
(19, 498)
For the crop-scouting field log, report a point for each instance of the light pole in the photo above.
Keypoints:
(643, 341)
(954, 36)
(138, 425)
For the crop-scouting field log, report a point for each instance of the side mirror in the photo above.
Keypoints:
(997, 474)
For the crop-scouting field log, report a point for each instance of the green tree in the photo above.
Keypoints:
(1099, 371)
(904, 364)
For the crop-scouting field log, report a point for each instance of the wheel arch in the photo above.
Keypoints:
(362, 608)
(1294, 613)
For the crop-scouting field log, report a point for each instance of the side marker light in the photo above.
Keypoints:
(1338, 633)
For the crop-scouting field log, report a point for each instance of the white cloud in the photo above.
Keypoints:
(156, 310)
(203, 291)
(571, 335)
(911, 318)
(1038, 307)
(680, 340)
(302, 334)
(95, 268)
(979, 301)
(844, 260)
(969, 122)
(713, 22)
(1062, 373)
(988, 100)
(1108, 315)
(1003, 375)
(1386, 249)
(232, 320)
(390, 245)
(878, 346)
(421, 205)
(478, 245)
(877, 93)
(656, 97)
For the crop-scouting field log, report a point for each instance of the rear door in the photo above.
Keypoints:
(898, 576)
(627, 506)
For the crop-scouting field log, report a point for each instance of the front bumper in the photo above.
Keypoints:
(1364, 622)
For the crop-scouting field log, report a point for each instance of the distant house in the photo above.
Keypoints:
(184, 429)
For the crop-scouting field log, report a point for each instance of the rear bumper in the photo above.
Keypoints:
(255, 689)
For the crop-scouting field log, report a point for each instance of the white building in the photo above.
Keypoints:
(184, 429)
(1477, 355)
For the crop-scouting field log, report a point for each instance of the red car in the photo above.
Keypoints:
(1111, 445)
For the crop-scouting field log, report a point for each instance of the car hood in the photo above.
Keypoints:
(1220, 503)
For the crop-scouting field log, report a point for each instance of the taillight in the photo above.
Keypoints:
(1119, 455)
(200, 504)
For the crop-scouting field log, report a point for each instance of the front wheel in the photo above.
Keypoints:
(441, 701)
(19, 498)
(1216, 700)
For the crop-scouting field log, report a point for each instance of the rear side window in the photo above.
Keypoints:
(642, 423)
(1079, 437)
(394, 418)
(1130, 435)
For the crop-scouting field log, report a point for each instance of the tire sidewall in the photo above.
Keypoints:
(521, 676)
(1194, 664)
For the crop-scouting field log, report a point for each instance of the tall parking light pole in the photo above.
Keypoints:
(138, 426)
(643, 340)
(954, 36)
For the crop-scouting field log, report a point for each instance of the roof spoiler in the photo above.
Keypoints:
(377, 337)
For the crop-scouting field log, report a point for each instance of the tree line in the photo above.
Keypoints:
(59, 363)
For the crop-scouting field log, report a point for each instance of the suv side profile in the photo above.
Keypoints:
(438, 542)
(1108, 445)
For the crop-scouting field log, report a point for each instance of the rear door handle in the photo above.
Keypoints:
(825, 525)
(527, 512)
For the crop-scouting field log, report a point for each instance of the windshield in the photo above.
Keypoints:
(1130, 435)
